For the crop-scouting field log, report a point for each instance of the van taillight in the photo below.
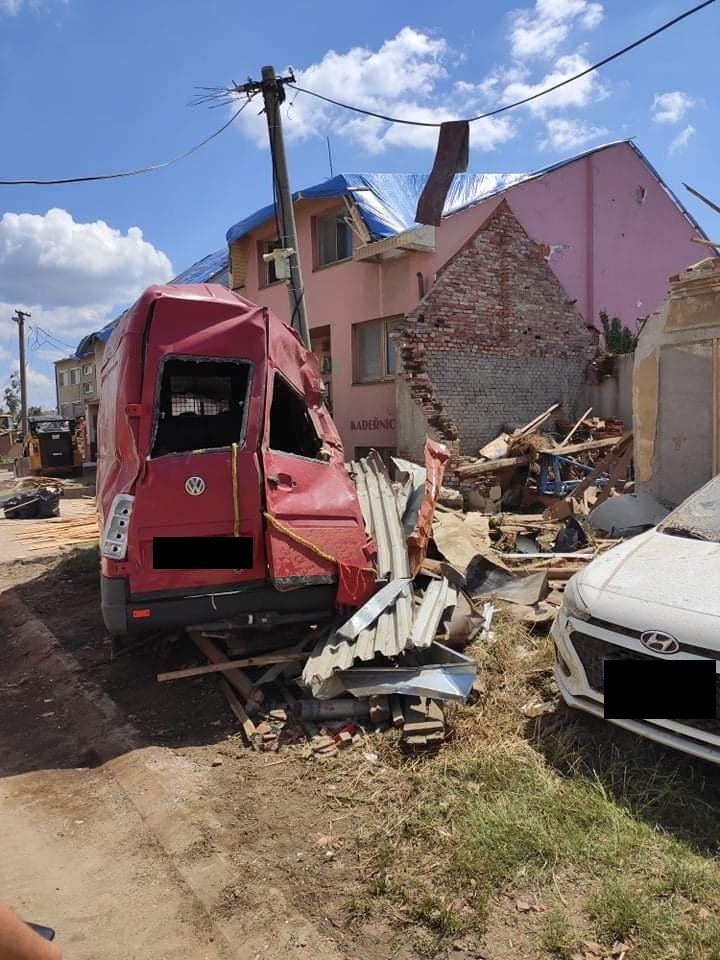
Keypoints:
(115, 534)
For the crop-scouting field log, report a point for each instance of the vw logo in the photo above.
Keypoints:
(195, 486)
(659, 642)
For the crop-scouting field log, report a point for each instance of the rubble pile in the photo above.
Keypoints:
(446, 562)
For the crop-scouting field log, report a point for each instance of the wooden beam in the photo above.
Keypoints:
(248, 727)
(262, 660)
(236, 678)
(575, 428)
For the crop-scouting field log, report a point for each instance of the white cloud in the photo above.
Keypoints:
(681, 140)
(542, 29)
(51, 259)
(13, 7)
(564, 134)
(401, 78)
(671, 107)
(72, 278)
(579, 93)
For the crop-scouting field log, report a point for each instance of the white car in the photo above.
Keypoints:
(654, 596)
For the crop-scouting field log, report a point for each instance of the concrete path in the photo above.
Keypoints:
(13, 549)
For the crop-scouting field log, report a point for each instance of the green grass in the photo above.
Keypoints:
(616, 838)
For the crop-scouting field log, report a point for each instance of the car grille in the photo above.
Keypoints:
(592, 651)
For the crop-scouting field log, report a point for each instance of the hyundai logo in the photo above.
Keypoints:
(659, 642)
(195, 486)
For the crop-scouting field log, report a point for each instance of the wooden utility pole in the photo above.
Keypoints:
(273, 92)
(20, 317)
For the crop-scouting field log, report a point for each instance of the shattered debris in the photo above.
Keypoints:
(442, 576)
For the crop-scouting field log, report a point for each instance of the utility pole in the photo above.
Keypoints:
(273, 92)
(20, 317)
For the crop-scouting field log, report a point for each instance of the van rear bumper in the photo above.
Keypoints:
(256, 605)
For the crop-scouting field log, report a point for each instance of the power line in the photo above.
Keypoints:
(128, 173)
(516, 103)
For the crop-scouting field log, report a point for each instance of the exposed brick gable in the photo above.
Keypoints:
(494, 340)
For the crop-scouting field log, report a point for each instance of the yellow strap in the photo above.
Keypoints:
(273, 521)
(236, 505)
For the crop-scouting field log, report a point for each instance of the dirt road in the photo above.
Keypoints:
(135, 850)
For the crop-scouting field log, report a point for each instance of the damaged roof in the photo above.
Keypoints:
(388, 201)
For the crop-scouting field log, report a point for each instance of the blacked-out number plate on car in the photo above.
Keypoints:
(202, 553)
(635, 689)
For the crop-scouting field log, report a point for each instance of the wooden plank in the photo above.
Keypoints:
(576, 427)
(236, 678)
(490, 466)
(585, 447)
(248, 727)
(396, 709)
(262, 660)
(537, 422)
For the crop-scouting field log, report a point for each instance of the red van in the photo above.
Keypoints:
(221, 486)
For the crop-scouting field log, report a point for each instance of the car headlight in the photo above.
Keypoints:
(573, 603)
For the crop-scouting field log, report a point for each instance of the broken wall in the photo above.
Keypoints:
(495, 340)
(676, 388)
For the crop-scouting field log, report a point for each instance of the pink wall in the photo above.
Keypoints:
(610, 251)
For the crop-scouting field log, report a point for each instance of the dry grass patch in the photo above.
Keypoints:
(604, 837)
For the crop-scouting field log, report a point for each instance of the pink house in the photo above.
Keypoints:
(604, 222)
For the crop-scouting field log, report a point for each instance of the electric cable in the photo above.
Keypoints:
(516, 103)
(129, 173)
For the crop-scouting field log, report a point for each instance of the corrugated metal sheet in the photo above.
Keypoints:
(390, 634)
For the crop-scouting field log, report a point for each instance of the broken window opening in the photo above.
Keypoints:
(291, 428)
(201, 405)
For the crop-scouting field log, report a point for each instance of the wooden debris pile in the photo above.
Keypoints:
(44, 535)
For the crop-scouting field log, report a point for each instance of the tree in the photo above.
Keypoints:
(35, 411)
(618, 339)
(12, 394)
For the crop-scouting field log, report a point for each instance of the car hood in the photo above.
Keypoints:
(656, 581)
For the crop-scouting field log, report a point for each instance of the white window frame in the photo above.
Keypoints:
(88, 387)
(63, 378)
(88, 370)
(385, 324)
(75, 376)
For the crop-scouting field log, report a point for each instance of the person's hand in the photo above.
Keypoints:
(19, 942)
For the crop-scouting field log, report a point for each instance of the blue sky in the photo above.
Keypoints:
(89, 86)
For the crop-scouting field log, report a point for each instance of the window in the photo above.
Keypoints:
(291, 429)
(75, 375)
(62, 378)
(267, 269)
(89, 370)
(374, 354)
(88, 387)
(201, 405)
(333, 239)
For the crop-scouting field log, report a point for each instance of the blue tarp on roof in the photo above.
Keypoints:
(199, 272)
(388, 201)
(204, 269)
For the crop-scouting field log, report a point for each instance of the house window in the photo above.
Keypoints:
(291, 429)
(374, 354)
(62, 378)
(333, 239)
(75, 375)
(89, 370)
(201, 405)
(88, 387)
(267, 268)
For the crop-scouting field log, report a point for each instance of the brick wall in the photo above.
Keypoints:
(494, 342)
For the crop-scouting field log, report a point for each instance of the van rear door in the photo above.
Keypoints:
(202, 392)
(312, 501)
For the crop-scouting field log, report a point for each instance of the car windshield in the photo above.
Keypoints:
(698, 517)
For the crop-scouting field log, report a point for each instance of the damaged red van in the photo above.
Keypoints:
(221, 486)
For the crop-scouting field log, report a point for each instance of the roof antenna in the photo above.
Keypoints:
(330, 157)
